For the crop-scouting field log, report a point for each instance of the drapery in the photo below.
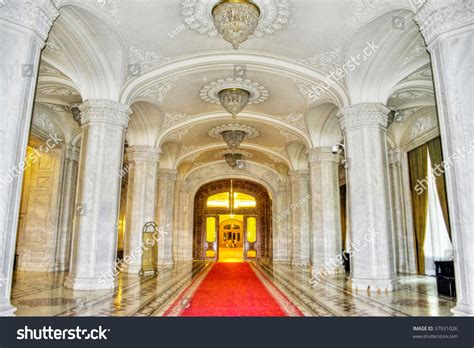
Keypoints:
(436, 157)
(418, 163)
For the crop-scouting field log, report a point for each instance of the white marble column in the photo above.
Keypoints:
(448, 29)
(300, 220)
(372, 258)
(141, 200)
(98, 195)
(24, 28)
(325, 209)
(68, 195)
(165, 213)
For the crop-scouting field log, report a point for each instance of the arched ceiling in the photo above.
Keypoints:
(157, 56)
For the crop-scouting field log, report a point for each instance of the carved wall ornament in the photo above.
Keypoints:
(411, 95)
(418, 50)
(157, 92)
(57, 91)
(362, 9)
(172, 119)
(424, 74)
(180, 133)
(296, 119)
(289, 136)
(326, 61)
(210, 93)
(145, 60)
(422, 125)
(275, 15)
(111, 7)
(313, 93)
(251, 133)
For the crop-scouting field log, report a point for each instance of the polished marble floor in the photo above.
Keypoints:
(42, 294)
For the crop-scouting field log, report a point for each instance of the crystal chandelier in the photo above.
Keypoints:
(236, 20)
(233, 138)
(233, 159)
(234, 100)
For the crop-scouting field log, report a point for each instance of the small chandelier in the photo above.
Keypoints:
(233, 138)
(233, 159)
(234, 100)
(236, 20)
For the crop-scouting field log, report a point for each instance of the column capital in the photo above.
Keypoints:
(299, 175)
(140, 154)
(73, 153)
(35, 15)
(105, 111)
(323, 155)
(364, 114)
(394, 156)
(437, 17)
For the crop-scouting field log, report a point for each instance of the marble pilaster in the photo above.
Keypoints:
(281, 230)
(372, 256)
(98, 195)
(165, 213)
(448, 29)
(24, 28)
(141, 199)
(300, 219)
(325, 208)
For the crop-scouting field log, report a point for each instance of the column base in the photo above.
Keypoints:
(89, 283)
(7, 310)
(374, 284)
(462, 310)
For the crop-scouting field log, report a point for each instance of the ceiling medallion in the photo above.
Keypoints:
(236, 20)
(243, 153)
(234, 100)
(250, 132)
(213, 92)
(274, 15)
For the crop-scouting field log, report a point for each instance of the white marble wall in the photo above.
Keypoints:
(98, 195)
(448, 29)
(373, 260)
(165, 213)
(141, 200)
(183, 234)
(24, 27)
(281, 221)
(300, 221)
(325, 208)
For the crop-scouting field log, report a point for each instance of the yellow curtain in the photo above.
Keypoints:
(418, 162)
(436, 157)
(342, 191)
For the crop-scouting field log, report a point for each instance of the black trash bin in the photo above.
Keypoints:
(445, 278)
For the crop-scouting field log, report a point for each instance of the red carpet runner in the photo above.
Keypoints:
(232, 289)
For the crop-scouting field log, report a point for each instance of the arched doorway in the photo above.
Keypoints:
(232, 221)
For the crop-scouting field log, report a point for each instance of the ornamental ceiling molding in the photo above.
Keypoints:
(55, 49)
(297, 120)
(222, 153)
(313, 94)
(141, 60)
(173, 119)
(289, 136)
(250, 132)
(275, 15)
(412, 95)
(424, 74)
(361, 9)
(210, 92)
(57, 91)
(418, 50)
(422, 125)
(47, 70)
(110, 7)
(325, 62)
(156, 93)
(179, 134)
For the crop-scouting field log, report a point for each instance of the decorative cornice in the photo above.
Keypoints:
(105, 111)
(36, 15)
(437, 17)
(319, 155)
(140, 154)
(365, 114)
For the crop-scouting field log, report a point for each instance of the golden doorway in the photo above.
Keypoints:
(231, 238)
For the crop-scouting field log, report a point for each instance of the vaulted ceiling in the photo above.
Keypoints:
(163, 57)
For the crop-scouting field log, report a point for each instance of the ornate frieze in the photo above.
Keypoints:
(106, 111)
(34, 15)
(436, 17)
(323, 155)
(139, 154)
(365, 114)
